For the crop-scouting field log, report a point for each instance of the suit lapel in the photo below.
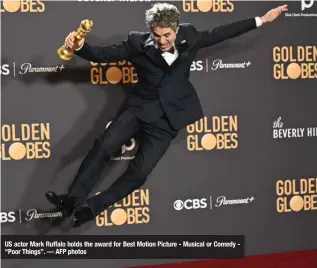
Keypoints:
(180, 42)
(181, 45)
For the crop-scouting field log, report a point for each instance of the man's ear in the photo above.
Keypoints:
(177, 30)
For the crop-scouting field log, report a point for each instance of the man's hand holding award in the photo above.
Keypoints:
(75, 40)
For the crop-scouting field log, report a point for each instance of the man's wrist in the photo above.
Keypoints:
(258, 21)
(263, 20)
(79, 48)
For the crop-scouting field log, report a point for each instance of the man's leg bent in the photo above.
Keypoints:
(154, 142)
(110, 141)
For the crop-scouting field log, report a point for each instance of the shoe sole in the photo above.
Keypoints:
(58, 205)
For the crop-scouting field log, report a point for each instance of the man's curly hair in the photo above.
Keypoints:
(162, 15)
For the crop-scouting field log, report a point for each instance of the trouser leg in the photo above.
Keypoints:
(110, 141)
(153, 143)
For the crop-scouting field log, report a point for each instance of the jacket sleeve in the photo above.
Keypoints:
(207, 38)
(105, 54)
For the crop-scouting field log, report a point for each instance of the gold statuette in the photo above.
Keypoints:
(66, 53)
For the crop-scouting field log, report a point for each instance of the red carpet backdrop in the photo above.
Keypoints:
(248, 167)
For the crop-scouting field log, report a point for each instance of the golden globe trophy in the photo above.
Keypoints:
(66, 53)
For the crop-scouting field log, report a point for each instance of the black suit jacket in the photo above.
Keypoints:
(160, 87)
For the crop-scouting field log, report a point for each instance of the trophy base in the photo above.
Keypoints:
(65, 53)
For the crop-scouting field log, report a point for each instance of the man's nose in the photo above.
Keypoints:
(162, 41)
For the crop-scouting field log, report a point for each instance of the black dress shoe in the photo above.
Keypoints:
(63, 202)
(81, 216)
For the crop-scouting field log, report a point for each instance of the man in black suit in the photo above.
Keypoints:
(162, 103)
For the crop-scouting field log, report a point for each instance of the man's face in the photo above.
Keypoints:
(164, 37)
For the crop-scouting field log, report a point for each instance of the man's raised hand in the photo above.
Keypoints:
(273, 14)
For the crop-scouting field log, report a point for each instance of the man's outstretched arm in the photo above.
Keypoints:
(99, 54)
(219, 34)
(104, 54)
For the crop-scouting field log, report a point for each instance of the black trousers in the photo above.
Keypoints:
(154, 141)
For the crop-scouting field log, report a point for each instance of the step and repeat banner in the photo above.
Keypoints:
(248, 167)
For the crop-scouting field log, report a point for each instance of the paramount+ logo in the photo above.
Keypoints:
(217, 132)
(208, 6)
(25, 141)
(296, 195)
(121, 72)
(133, 209)
(295, 62)
(23, 6)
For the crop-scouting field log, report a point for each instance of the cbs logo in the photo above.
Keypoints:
(7, 216)
(4, 70)
(190, 204)
(126, 147)
(197, 66)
